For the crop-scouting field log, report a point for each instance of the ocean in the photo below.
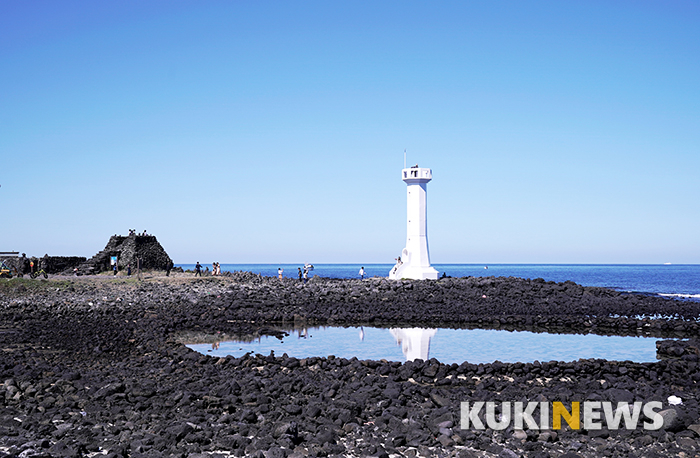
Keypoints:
(675, 280)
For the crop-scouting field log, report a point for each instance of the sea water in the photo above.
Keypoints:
(679, 280)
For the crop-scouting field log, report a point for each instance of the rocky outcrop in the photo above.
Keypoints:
(143, 250)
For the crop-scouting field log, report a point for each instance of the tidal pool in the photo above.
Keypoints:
(446, 345)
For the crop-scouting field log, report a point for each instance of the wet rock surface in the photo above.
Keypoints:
(93, 366)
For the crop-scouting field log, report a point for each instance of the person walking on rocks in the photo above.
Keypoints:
(198, 269)
(128, 270)
(279, 273)
(362, 273)
(114, 268)
(168, 268)
(306, 275)
(300, 274)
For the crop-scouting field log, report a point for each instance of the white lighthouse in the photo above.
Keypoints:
(414, 262)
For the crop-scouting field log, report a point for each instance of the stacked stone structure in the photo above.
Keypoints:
(130, 249)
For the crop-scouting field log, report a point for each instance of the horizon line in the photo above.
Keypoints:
(470, 263)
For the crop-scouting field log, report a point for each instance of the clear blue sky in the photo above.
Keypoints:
(241, 131)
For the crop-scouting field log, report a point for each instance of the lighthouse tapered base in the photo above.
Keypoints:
(410, 271)
(414, 273)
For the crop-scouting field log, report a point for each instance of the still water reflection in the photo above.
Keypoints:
(446, 345)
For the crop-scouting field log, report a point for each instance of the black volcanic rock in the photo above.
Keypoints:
(96, 366)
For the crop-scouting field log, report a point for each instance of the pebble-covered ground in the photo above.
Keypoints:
(94, 366)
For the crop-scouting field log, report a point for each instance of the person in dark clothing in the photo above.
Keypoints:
(300, 274)
(198, 269)
(128, 270)
(114, 268)
(168, 268)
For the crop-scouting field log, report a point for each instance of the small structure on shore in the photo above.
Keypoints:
(138, 250)
(414, 262)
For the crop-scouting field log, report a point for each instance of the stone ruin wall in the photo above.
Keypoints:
(51, 264)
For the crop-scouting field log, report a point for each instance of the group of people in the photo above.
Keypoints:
(133, 232)
(215, 269)
(304, 274)
(115, 269)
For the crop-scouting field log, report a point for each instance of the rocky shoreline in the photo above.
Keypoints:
(91, 366)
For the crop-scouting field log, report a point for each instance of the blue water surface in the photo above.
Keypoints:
(675, 279)
(446, 345)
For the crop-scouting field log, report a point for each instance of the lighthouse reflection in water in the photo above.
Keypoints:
(415, 342)
(446, 345)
